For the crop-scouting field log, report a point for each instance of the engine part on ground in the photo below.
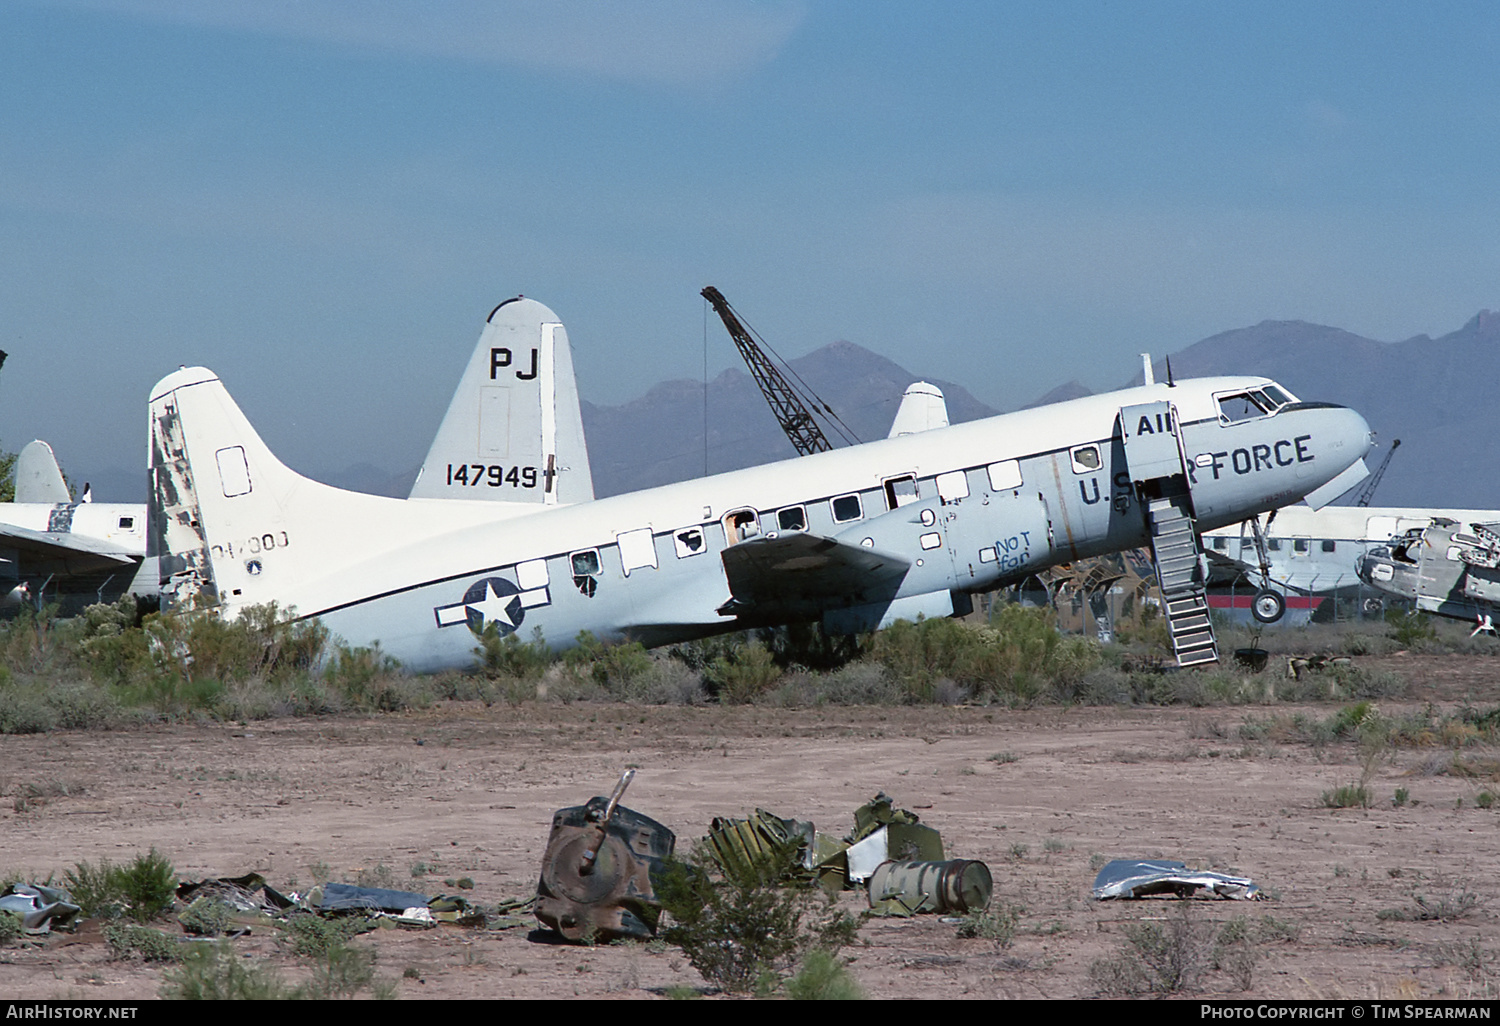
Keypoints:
(596, 882)
(764, 845)
(910, 888)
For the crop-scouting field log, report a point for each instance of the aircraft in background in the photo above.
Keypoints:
(1312, 554)
(73, 550)
(856, 537)
(511, 441)
(1449, 566)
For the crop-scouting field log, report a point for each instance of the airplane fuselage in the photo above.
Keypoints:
(941, 515)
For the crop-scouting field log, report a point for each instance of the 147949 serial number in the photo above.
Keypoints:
(493, 474)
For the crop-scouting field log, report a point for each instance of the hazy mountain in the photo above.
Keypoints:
(1436, 395)
(659, 438)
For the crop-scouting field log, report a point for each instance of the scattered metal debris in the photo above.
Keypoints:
(40, 908)
(910, 888)
(1140, 878)
(596, 872)
(899, 859)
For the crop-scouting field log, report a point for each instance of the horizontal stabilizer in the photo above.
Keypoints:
(63, 553)
(38, 477)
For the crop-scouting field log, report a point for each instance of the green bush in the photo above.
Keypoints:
(149, 945)
(213, 972)
(142, 889)
(743, 927)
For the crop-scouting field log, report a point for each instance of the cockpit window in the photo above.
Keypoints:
(1278, 395)
(1243, 406)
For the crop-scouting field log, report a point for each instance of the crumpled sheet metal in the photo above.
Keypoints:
(761, 839)
(1141, 878)
(40, 908)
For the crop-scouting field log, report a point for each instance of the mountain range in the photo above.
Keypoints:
(1427, 392)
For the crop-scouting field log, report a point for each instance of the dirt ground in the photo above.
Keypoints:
(464, 790)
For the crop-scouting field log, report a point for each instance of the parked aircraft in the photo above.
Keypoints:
(91, 551)
(512, 440)
(857, 537)
(1450, 567)
(1313, 553)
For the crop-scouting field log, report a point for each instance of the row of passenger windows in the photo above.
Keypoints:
(1222, 544)
(638, 548)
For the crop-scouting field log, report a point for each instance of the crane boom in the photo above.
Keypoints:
(793, 415)
(1368, 492)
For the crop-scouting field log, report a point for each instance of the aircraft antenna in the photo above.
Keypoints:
(793, 409)
(1368, 491)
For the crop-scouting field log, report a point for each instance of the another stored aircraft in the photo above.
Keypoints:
(1449, 567)
(857, 537)
(516, 407)
(1314, 553)
(79, 550)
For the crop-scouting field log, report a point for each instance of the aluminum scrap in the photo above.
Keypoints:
(1139, 878)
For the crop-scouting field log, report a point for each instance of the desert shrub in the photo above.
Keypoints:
(807, 645)
(996, 923)
(1410, 630)
(312, 936)
(743, 675)
(11, 928)
(367, 678)
(744, 925)
(509, 656)
(206, 917)
(127, 941)
(1015, 658)
(1159, 958)
(1347, 796)
(148, 885)
(213, 972)
(823, 976)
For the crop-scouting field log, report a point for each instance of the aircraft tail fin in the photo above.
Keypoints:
(514, 430)
(38, 477)
(922, 409)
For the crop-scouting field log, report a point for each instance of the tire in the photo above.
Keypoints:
(1268, 606)
(1374, 607)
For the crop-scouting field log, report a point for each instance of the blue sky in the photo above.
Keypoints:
(321, 201)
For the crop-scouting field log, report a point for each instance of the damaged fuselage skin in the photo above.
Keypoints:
(1448, 568)
(857, 537)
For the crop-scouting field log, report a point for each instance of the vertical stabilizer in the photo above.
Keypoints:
(922, 409)
(38, 477)
(514, 431)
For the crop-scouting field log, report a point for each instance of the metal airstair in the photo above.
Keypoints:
(1179, 572)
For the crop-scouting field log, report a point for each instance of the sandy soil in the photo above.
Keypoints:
(469, 791)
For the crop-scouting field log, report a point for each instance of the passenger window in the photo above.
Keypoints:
(741, 525)
(1004, 475)
(637, 550)
(899, 491)
(586, 571)
(953, 485)
(1329, 546)
(1086, 459)
(1221, 544)
(793, 518)
(689, 541)
(532, 574)
(1301, 545)
(846, 508)
(127, 523)
(1274, 545)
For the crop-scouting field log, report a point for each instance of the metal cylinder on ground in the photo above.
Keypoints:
(907, 888)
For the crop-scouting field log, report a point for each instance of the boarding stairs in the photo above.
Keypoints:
(1179, 572)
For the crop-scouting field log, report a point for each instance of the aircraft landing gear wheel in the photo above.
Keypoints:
(1374, 607)
(1268, 606)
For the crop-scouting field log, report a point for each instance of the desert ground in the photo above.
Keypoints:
(467, 790)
